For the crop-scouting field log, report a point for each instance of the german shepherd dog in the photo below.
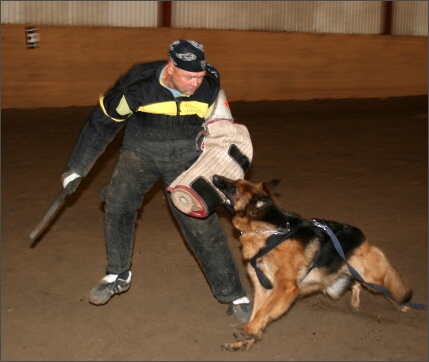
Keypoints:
(288, 257)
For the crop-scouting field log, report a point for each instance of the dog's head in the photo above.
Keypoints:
(246, 198)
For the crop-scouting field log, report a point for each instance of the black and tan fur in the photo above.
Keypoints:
(305, 263)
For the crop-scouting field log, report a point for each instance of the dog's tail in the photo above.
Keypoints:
(388, 276)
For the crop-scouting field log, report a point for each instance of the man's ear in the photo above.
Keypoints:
(169, 68)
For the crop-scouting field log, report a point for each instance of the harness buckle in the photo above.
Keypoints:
(318, 224)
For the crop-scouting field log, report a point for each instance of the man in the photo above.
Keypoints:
(163, 105)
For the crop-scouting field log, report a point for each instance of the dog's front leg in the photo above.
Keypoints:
(281, 298)
(239, 346)
(277, 303)
(261, 294)
(244, 340)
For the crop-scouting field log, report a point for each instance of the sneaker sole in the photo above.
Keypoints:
(96, 301)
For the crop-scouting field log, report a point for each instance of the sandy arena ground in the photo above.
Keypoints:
(363, 162)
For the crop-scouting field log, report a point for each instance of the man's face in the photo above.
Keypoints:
(184, 81)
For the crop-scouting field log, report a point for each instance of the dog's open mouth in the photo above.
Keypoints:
(223, 184)
(228, 205)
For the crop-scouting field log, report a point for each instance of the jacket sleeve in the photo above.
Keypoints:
(104, 123)
(213, 79)
(98, 131)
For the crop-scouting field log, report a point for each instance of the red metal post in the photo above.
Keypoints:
(164, 14)
(387, 15)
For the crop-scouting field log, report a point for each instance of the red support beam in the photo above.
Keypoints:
(164, 14)
(387, 15)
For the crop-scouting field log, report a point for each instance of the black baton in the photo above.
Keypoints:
(70, 187)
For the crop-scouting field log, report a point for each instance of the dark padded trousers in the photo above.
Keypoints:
(133, 176)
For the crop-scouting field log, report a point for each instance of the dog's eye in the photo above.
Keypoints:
(259, 204)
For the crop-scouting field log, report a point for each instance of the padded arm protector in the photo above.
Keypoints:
(226, 150)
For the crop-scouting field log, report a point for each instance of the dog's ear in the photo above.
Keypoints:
(270, 186)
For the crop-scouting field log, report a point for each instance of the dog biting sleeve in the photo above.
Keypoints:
(226, 150)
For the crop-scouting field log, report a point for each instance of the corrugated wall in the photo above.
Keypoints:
(342, 17)
(410, 17)
(332, 17)
(86, 13)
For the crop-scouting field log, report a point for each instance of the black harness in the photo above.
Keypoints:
(272, 241)
(278, 236)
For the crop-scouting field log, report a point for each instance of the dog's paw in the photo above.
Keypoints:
(355, 308)
(242, 335)
(243, 345)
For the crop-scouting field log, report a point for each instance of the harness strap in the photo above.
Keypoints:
(272, 241)
(354, 272)
(279, 236)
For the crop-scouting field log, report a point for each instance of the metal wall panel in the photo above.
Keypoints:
(341, 17)
(347, 17)
(11, 12)
(87, 12)
(344, 17)
(410, 18)
(133, 13)
(84, 13)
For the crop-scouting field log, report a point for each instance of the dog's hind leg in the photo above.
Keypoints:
(355, 301)
(375, 268)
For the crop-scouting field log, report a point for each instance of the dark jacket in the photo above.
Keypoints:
(149, 110)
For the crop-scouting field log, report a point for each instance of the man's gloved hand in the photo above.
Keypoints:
(71, 180)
